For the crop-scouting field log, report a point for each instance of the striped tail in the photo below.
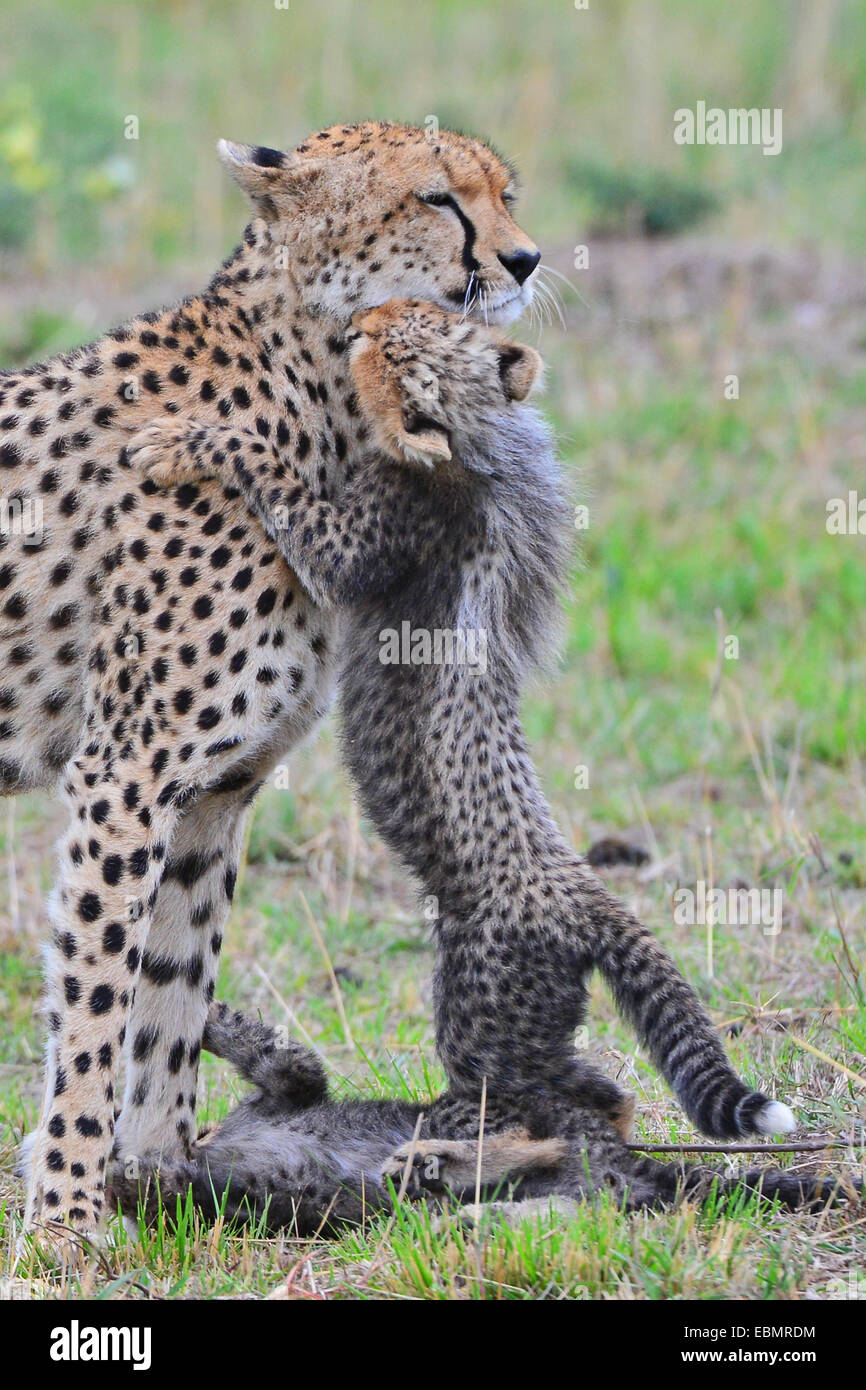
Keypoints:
(796, 1191)
(671, 1023)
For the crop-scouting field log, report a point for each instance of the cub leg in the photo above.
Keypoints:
(282, 1067)
(339, 553)
(452, 1165)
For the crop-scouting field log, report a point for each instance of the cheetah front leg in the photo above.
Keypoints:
(110, 864)
(177, 977)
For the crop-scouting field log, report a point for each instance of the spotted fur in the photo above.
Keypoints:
(158, 655)
(437, 750)
(299, 1159)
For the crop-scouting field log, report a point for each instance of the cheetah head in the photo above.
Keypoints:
(361, 214)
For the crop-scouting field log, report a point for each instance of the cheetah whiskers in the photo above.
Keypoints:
(543, 306)
(554, 289)
(551, 301)
(471, 296)
(483, 302)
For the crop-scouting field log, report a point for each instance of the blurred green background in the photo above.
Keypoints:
(551, 84)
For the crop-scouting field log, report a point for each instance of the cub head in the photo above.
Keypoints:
(371, 212)
(423, 376)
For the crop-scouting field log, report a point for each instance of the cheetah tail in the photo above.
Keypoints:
(671, 1023)
(796, 1191)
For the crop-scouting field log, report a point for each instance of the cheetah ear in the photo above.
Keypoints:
(274, 182)
(519, 369)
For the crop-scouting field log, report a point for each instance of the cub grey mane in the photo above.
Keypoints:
(528, 517)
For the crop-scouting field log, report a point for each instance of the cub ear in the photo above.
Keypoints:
(272, 180)
(420, 435)
(519, 369)
(368, 322)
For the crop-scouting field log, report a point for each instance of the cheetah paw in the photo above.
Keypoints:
(432, 1165)
(162, 452)
(60, 1245)
(456, 1165)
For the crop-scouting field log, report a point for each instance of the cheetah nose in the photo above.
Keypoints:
(520, 264)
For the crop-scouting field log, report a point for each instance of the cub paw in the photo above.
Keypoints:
(459, 1165)
(551, 1210)
(433, 1165)
(163, 452)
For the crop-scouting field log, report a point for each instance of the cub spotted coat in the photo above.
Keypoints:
(437, 751)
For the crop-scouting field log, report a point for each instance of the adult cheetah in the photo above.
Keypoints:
(192, 657)
(158, 655)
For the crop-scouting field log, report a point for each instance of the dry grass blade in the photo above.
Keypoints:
(831, 1061)
(329, 965)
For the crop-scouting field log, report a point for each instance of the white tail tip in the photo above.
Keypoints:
(775, 1118)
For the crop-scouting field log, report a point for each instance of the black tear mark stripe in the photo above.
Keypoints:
(469, 232)
(469, 235)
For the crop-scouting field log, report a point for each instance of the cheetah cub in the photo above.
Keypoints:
(299, 1158)
(451, 598)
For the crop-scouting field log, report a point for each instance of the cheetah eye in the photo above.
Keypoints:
(439, 200)
(509, 198)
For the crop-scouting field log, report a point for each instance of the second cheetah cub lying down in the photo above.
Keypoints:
(310, 1163)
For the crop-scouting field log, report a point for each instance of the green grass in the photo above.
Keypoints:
(690, 511)
(707, 519)
(792, 595)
